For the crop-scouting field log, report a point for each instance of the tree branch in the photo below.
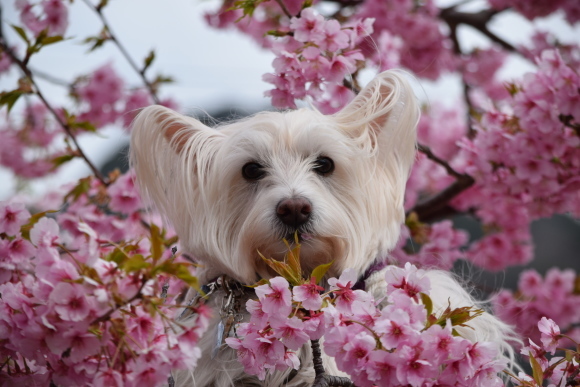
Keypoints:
(427, 152)
(477, 20)
(124, 52)
(437, 206)
(322, 379)
(7, 50)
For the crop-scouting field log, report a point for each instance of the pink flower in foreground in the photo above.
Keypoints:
(70, 301)
(275, 297)
(12, 216)
(291, 332)
(409, 279)
(309, 295)
(44, 233)
(550, 334)
(308, 27)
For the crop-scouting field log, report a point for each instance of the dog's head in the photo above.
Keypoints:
(336, 181)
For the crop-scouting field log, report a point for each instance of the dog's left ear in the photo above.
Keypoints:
(383, 119)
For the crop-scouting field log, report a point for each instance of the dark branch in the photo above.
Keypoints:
(477, 20)
(437, 206)
(322, 379)
(427, 152)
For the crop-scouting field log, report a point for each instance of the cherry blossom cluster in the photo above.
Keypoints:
(53, 16)
(407, 34)
(525, 162)
(26, 146)
(392, 341)
(538, 8)
(314, 59)
(313, 55)
(554, 296)
(105, 98)
(435, 246)
(87, 297)
(556, 370)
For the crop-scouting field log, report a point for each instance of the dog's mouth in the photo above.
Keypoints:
(298, 235)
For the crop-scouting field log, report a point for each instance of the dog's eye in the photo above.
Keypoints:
(253, 171)
(324, 166)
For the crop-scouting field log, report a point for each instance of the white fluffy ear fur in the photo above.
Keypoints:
(383, 119)
(172, 155)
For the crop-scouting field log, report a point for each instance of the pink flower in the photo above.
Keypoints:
(124, 195)
(409, 279)
(382, 367)
(291, 332)
(550, 334)
(345, 296)
(333, 38)
(394, 329)
(411, 368)
(56, 16)
(308, 294)
(535, 351)
(44, 233)
(70, 302)
(12, 216)
(275, 297)
(308, 27)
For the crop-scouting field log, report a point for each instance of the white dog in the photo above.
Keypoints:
(336, 180)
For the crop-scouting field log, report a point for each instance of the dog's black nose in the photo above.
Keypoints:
(294, 212)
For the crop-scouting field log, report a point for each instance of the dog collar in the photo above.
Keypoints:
(377, 265)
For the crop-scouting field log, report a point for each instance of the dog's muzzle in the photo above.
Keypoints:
(294, 212)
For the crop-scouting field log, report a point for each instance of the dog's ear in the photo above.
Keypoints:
(171, 154)
(383, 119)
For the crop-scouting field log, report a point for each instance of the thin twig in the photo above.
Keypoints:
(124, 52)
(7, 50)
(283, 6)
(49, 78)
(429, 153)
(106, 316)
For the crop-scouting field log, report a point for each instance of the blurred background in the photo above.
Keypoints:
(218, 74)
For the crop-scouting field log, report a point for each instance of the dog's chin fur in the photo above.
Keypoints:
(193, 174)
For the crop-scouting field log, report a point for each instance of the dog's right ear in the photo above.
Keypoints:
(171, 154)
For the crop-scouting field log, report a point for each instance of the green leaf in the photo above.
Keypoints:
(60, 160)
(118, 256)
(20, 31)
(9, 98)
(537, 372)
(179, 270)
(51, 40)
(293, 255)
(277, 34)
(156, 243)
(102, 4)
(81, 188)
(426, 300)
(148, 61)
(163, 79)
(183, 274)
(320, 270)
(134, 263)
(283, 269)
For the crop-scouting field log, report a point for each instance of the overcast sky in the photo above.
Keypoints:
(212, 68)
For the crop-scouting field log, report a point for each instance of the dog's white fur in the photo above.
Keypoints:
(192, 173)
